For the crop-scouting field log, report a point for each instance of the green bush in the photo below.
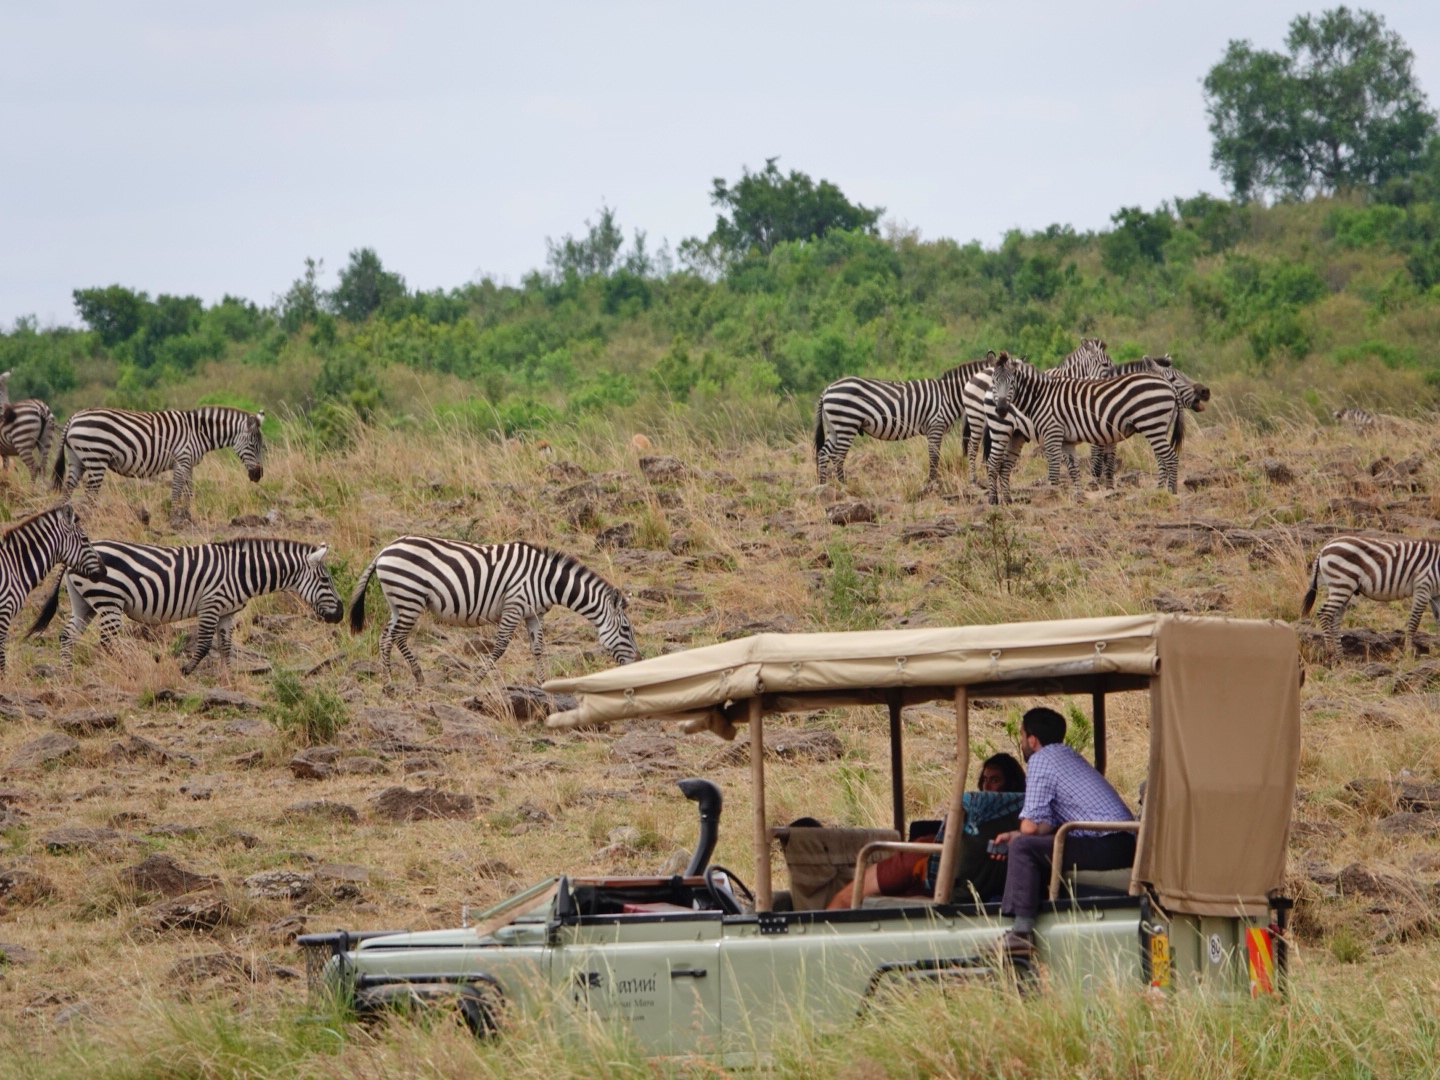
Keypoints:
(314, 717)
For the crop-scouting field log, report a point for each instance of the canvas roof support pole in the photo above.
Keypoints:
(1097, 714)
(897, 765)
(955, 819)
(763, 895)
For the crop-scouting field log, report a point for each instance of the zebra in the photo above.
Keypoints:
(468, 584)
(891, 411)
(30, 548)
(1058, 413)
(26, 428)
(1089, 361)
(1379, 569)
(145, 444)
(157, 585)
(1190, 395)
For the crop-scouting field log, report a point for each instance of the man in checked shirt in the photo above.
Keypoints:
(1060, 786)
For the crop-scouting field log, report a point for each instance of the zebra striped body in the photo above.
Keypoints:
(26, 428)
(144, 444)
(1379, 569)
(1189, 394)
(890, 411)
(464, 584)
(211, 582)
(1059, 413)
(1089, 361)
(27, 552)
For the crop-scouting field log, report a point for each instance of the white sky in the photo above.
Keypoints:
(206, 148)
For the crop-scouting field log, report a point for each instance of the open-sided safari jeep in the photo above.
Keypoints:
(699, 963)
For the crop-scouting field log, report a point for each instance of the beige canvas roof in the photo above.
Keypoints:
(793, 669)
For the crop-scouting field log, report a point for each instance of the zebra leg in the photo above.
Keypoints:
(181, 492)
(1167, 461)
(5, 619)
(1009, 457)
(839, 450)
(1107, 466)
(537, 645)
(225, 637)
(94, 476)
(933, 440)
(509, 622)
(80, 615)
(1072, 465)
(1423, 597)
(1336, 601)
(204, 639)
(33, 462)
(397, 635)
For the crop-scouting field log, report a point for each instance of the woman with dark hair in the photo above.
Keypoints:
(993, 809)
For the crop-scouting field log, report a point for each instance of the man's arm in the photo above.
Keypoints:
(1036, 828)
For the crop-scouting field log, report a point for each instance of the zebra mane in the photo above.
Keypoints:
(569, 562)
(18, 525)
(253, 542)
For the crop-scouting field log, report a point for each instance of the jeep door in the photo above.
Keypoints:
(657, 976)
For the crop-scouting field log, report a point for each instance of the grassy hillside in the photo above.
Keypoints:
(739, 543)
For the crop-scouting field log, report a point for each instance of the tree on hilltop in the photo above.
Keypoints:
(766, 208)
(365, 287)
(1340, 109)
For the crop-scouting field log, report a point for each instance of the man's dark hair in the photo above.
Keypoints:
(1047, 725)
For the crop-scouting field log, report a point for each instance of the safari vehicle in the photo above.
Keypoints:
(700, 963)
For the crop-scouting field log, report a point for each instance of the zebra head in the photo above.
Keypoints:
(613, 623)
(250, 445)
(312, 581)
(73, 547)
(1008, 372)
(1189, 393)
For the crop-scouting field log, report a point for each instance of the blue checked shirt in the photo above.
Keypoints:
(1062, 786)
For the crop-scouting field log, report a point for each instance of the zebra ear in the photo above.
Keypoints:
(260, 418)
(317, 557)
(990, 356)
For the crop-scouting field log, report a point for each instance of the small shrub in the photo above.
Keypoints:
(314, 717)
(852, 599)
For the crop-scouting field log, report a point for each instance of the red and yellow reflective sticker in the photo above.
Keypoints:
(1262, 961)
(1160, 960)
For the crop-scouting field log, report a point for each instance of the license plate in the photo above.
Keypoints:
(1160, 960)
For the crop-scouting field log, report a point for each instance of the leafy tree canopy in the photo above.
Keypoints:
(365, 287)
(766, 208)
(115, 313)
(1341, 108)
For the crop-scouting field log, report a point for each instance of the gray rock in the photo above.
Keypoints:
(197, 911)
(79, 838)
(1410, 823)
(402, 804)
(22, 887)
(343, 872)
(617, 536)
(805, 745)
(624, 836)
(675, 863)
(225, 965)
(249, 727)
(88, 722)
(74, 1013)
(279, 885)
(663, 469)
(15, 954)
(229, 699)
(52, 746)
(638, 746)
(1276, 471)
(315, 763)
(850, 513)
(361, 765)
(159, 873)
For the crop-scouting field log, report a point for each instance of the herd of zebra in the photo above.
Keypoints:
(1002, 402)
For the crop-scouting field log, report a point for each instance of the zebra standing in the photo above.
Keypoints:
(157, 585)
(1379, 569)
(26, 428)
(29, 549)
(1089, 361)
(890, 411)
(468, 584)
(145, 444)
(1189, 394)
(1058, 413)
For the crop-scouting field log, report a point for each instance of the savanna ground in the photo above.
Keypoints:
(739, 541)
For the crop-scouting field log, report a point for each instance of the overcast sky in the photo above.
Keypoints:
(206, 148)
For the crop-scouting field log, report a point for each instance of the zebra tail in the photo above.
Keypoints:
(1177, 433)
(52, 604)
(985, 444)
(57, 479)
(357, 599)
(819, 428)
(1314, 588)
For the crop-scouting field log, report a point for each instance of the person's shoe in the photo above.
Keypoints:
(1018, 945)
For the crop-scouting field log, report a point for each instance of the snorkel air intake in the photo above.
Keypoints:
(708, 796)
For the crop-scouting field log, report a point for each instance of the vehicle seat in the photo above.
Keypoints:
(1117, 881)
(820, 860)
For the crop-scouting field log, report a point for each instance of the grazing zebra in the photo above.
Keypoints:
(145, 444)
(469, 584)
(1058, 413)
(1356, 418)
(157, 585)
(26, 428)
(1380, 570)
(890, 411)
(29, 549)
